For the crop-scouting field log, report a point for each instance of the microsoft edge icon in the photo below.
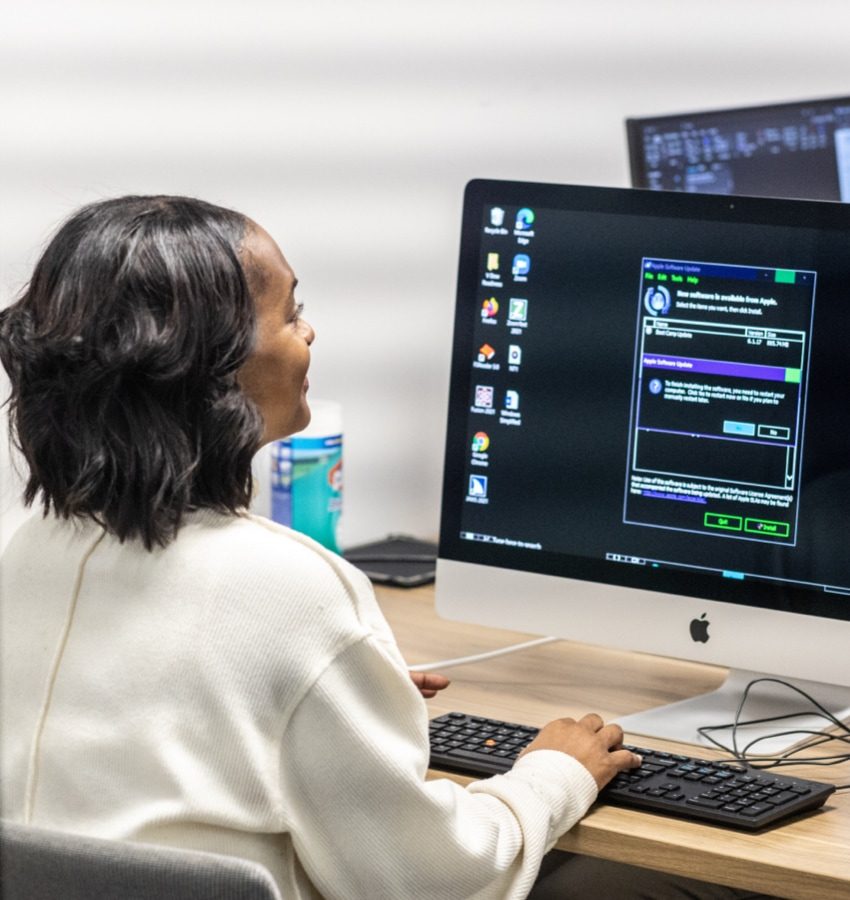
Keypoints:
(524, 219)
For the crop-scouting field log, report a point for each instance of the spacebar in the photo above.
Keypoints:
(483, 759)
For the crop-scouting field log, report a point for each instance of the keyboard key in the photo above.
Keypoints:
(458, 753)
(784, 797)
(756, 809)
(706, 802)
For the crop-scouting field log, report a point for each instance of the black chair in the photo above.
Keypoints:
(40, 864)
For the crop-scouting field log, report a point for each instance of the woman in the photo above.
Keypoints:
(177, 671)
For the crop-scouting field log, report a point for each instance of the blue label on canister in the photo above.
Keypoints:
(306, 486)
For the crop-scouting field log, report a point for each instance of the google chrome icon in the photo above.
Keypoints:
(480, 442)
(489, 308)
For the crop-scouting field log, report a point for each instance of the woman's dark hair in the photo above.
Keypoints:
(123, 353)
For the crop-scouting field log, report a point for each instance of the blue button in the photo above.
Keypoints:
(745, 428)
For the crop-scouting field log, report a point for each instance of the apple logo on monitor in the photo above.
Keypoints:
(699, 629)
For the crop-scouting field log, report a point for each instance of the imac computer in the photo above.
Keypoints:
(648, 440)
(787, 150)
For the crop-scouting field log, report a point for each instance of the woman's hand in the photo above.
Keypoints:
(597, 746)
(429, 683)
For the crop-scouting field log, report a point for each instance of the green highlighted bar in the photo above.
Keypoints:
(793, 375)
(785, 276)
(727, 523)
(766, 528)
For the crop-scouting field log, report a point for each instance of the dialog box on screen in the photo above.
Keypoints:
(718, 399)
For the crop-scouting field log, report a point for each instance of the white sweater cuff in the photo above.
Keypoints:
(562, 784)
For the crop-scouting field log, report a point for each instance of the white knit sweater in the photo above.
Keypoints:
(240, 692)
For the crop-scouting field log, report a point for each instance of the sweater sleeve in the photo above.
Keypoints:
(366, 823)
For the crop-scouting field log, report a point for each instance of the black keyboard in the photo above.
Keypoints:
(718, 792)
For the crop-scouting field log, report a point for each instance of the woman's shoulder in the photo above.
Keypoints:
(47, 539)
(266, 544)
(238, 565)
(257, 555)
(255, 576)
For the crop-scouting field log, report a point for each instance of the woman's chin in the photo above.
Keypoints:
(306, 412)
(302, 420)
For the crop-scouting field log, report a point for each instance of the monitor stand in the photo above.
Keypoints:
(680, 721)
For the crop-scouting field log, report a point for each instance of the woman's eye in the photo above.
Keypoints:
(297, 313)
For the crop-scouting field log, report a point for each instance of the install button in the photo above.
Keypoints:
(727, 523)
(762, 526)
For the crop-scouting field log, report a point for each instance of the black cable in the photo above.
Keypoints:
(788, 757)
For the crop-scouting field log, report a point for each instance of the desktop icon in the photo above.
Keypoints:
(524, 219)
(699, 629)
(497, 217)
(511, 400)
(485, 353)
(484, 396)
(518, 310)
(480, 442)
(521, 265)
(489, 308)
(492, 262)
(657, 300)
(477, 486)
(514, 355)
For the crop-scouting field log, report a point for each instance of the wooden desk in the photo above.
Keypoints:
(807, 858)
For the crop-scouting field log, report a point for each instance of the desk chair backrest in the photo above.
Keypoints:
(37, 864)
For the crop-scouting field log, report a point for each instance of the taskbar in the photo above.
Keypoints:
(732, 574)
(501, 541)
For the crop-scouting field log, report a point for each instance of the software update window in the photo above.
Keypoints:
(719, 398)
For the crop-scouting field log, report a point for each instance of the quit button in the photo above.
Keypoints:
(718, 520)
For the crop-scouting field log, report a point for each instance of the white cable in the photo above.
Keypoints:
(465, 660)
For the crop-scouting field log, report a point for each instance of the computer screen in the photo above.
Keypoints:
(787, 150)
(648, 441)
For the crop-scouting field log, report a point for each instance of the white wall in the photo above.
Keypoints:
(348, 130)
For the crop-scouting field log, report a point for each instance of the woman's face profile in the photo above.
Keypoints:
(275, 375)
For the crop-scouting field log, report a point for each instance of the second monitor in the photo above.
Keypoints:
(797, 150)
